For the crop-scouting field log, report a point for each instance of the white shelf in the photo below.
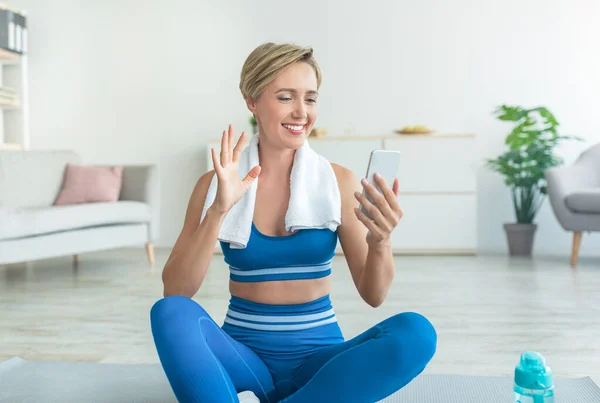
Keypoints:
(8, 57)
(384, 137)
(10, 146)
(14, 116)
(10, 107)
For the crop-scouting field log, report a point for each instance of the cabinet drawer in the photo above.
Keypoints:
(429, 164)
(351, 154)
(437, 223)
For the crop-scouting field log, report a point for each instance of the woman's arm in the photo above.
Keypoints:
(186, 267)
(367, 244)
(189, 260)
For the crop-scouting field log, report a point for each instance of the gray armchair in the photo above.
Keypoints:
(574, 194)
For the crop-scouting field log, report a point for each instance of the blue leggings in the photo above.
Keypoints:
(285, 353)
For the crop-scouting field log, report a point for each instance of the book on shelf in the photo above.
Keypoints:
(13, 29)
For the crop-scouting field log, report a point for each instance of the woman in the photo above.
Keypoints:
(280, 341)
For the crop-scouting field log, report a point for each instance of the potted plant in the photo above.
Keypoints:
(530, 153)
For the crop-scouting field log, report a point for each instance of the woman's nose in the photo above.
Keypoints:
(300, 111)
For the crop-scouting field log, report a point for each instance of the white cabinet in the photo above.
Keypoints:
(444, 165)
(441, 224)
(351, 154)
(437, 177)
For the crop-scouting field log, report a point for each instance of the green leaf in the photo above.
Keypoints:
(510, 113)
(548, 117)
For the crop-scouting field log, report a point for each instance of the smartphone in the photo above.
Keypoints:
(385, 163)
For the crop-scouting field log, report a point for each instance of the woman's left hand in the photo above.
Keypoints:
(385, 210)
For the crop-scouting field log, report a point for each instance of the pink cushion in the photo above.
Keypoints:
(89, 184)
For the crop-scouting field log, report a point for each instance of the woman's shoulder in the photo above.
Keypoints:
(345, 177)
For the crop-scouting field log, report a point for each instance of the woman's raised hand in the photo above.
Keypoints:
(231, 188)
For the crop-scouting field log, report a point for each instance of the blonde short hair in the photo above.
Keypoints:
(269, 60)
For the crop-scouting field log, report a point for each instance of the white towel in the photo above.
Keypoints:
(314, 196)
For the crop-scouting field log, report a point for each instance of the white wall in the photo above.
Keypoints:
(138, 82)
(133, 82)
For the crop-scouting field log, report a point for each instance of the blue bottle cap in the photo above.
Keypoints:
(532, 372)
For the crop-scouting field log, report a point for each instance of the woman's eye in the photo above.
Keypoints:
(289, 99)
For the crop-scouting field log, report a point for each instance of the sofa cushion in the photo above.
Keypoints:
(24, 222)
(584, 201)
(32, 178)
(90, 184)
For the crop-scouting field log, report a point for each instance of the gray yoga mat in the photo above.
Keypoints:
(49, 382)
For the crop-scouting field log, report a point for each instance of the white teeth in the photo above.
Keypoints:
(296, 128)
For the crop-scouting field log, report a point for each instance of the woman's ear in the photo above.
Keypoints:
(251, 104)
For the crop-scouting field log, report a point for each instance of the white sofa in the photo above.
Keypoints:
(31, 228)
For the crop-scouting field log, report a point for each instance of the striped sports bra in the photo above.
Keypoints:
(305, 254)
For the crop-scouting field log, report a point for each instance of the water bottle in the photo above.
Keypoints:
(533, 379)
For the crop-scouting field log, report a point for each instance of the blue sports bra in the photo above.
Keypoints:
(305, 254)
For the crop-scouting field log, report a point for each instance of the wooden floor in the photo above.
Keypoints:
(486, 309)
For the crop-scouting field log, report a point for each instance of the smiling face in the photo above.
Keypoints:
(287, 109)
